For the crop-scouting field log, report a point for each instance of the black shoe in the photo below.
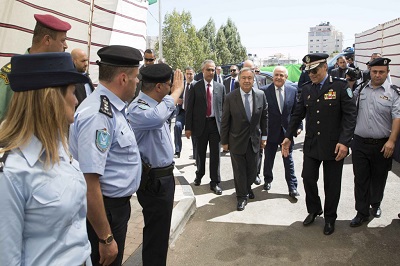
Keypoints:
(251, 194)
(376, 212)
(257, 181)
(217, 190)
(311, 217)
(358, 221)
(197, 181)
(177, 155)
(267, 186)
(241, 204)
(294, 193)
(329, 228)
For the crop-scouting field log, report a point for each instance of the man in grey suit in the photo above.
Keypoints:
(244, 132)
(203, 120)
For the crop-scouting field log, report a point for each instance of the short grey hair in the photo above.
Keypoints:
(281, 68)
(208, 61)
(245, 69)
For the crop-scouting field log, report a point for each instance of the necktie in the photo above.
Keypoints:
(232, 84)
(247, 106)
(186, 96)
(218, 79)
(208, 113)
(280, 98)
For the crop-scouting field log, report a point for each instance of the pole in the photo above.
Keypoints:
(90, 30)
(160, 48)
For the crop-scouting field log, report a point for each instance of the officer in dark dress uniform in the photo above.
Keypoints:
(330, 113)
(148, 114)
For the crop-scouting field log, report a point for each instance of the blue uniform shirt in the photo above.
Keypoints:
(43, 211)
(148, 119)
(106, 145)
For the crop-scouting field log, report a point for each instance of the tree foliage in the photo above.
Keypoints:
(184, 46)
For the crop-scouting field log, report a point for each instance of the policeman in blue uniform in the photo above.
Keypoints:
(105, 146)
(148, 115)
(330, 113)
(377, 128)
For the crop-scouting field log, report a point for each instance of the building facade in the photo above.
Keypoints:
(324, 38)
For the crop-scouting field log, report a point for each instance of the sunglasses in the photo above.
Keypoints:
(313, 71)
(233, 70)
(257, 71)
(149, 59)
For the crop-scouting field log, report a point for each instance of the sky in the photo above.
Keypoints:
(270, 27)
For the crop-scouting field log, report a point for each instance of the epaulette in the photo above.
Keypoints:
(6, 68)
(143, 104)
(105, 106)
(396, 89)
(336, 78)
(3, 159)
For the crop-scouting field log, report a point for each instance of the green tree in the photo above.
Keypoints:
(233, 41)
(224, 56)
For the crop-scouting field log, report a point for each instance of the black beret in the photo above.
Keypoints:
(313, 60)
(43, 70)
(156, 73)
(119, 56)
(380, 61)
(51, 22)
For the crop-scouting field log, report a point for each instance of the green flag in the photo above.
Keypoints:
(152, 2)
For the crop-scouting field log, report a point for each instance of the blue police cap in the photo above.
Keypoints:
(43, 70)
(313, 60)
(156, 73)
(380, 61)
(119, 56)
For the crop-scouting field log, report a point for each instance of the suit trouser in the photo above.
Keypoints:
(157, 203)
(244, 171)
(118, 211)
(270, 152)
(179, 125)
(210, 135)
(332, 171)
(370, 174)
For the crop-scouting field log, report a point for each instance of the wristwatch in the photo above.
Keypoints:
(107, 240)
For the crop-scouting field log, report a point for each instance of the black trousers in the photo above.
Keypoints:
(332, 171)
(157, 203)
(370, 173)
(210, 136)
(244, 171)
(118, 211)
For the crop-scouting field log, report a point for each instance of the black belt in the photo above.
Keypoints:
(370, 140)
(211, 118)
(115, 202)
(160, 172)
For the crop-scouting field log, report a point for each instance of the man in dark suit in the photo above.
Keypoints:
(149, 58)
(281, 100)
(181, 112)
(340, 71)
(330, 111)
(203, 120)
(218, 77)
(229, 82)
(81, 61)
(244, 132)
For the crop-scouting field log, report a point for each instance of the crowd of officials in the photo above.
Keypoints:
(73, 155)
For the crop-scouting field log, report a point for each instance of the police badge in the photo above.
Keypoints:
(103, 139)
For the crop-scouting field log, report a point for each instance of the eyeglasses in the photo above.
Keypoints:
(149, 59)
(257, 71)
(313, 71)
(233, 70)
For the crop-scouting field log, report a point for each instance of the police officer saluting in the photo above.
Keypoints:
(330, 113)
(105, 146)
(148, 115)
(378, 125)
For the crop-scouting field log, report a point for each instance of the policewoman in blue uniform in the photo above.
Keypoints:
(105, 146)
(148, 115)
(330, 111)
(42, 190)
(377, 128)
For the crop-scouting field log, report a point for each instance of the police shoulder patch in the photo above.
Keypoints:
(105, 106)
(103, 139)
(395, 88)
(6, 68)
(349, 92)
(143, 104)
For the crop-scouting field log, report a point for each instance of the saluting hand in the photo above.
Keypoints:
(285, 147)
(341, 151)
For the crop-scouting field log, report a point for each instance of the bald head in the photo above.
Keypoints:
(248, 63)
(80, 59)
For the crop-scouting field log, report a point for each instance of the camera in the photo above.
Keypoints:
(353, 73)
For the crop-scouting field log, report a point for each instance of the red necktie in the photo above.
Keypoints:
(208, 113)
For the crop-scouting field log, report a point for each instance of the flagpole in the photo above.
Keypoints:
(160, 47)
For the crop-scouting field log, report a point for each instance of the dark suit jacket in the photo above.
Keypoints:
(80, 91)
(277, 121)
(227, 83)
(335, 73)
(179, 107)
(197, 107)
(236, 129)
(261, 80)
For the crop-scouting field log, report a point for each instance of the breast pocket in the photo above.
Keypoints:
(384, 106)
(362, 101)
(126, 141)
